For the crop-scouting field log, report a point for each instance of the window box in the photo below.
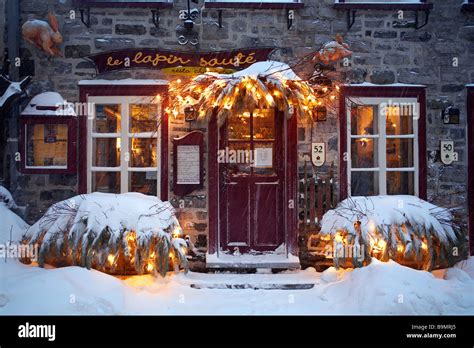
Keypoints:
(262, 4)
(384, 139)
(124, 3)
(468, 6)
(417, 5)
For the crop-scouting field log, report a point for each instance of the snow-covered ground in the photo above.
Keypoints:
(380, 288)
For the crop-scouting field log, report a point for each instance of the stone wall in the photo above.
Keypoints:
(386, 50)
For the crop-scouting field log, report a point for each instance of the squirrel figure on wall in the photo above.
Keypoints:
(44, 35)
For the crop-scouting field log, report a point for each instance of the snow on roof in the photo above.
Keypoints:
(49, 104)
(265, 68)
(122, 82)
(369, 84)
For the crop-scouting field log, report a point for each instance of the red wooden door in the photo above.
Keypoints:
(251, 182)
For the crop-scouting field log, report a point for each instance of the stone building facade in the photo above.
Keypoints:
(387, 48)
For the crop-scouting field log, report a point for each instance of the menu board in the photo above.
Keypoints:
(188, 165)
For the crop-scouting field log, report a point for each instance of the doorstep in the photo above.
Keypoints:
(276, 261)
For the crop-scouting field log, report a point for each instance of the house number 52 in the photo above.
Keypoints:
(318, 154)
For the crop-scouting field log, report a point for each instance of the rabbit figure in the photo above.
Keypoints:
(44, 35)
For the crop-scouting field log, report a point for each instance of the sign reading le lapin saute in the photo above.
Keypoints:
(181, 63)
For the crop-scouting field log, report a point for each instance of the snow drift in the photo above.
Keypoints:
(114, 233)
(12, 227)
(402, 228)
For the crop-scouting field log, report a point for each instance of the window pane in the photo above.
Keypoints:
(364, 183)
(263, 158)
(239, 126)
(144, 182)
(239, 158)
(106, 152)
(106, 182)
(107, 118)
(46, 145)
(399, 120)
(364, 153)
(399, 153)
(263, 124)
(143, 118)
(364, 119)
(400, 183)
(143, 152)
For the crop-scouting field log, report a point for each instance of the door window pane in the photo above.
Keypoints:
(144, 182)
(263, 124)
(106, 152)
(263, 158)
(239, 158)
(107, 118)
(143, 118)
(106, 182)
(46, 145)
(399, 153)
(143, 152)
(364, 120)
(364, 183)
(239, 126)
(400, 183)
(399, 120)
(364, 153)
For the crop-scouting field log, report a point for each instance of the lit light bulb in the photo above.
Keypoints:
(111, 258)
(149, 267)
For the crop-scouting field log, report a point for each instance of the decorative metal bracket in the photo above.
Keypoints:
(155, 17)
(289, 18)
(351, 14)
(86, 20)
(427, 16)
(219, 18)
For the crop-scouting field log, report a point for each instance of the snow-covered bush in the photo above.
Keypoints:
(402, 228)
(114, 233)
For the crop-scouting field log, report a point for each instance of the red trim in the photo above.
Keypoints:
(292, 184)
(71, 122)
(382, 7)
(468, 7)
(213, 182)
(255, 5)
(192, 138)
(132, 4)
(123, 90)
(470, 175)
(383, 92)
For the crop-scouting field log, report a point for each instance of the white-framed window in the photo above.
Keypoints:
(382, 146)
(124, 145)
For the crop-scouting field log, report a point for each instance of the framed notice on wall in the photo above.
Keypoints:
(188, 163)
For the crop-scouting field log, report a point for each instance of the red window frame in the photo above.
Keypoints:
(377, 91)
(123, 90)
(71, 122)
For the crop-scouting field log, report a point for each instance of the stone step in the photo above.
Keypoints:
(254, 286)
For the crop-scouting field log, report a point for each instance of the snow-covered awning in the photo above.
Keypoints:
(49, 104)
(122, 82)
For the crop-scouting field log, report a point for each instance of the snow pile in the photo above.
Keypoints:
(395, 227)
(49, 104)
(380, 288)
(110, 232)
(12, 227)
(6, 198)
